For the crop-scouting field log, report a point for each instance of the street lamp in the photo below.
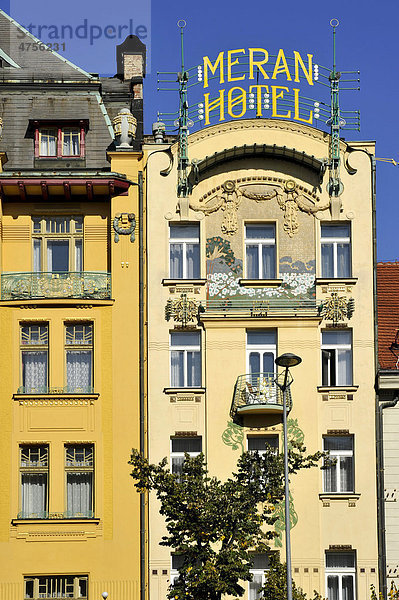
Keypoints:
(287, 360)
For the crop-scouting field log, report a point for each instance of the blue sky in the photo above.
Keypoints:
(367, 40)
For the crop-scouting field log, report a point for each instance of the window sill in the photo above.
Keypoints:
(177, 282)
(55, 394)
(332, 280)
(260, 283)
(184, 390)
(77, 520)
(350, 497)
(337, 388)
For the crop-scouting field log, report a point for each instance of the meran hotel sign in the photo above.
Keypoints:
(259, 71)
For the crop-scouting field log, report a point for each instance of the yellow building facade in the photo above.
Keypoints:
(258, 261)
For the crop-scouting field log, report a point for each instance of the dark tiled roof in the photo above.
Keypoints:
(388, 311)
(49, 66)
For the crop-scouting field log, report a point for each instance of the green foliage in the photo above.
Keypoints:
(393, 593)
(216, 525)
(275, 587)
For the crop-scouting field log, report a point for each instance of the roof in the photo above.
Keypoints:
(388, 311)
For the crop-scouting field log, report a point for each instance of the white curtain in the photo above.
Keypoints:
(327, 260)
(193, 369)
(332, 587)
(79, 494)
(37, 255)
(268, 262)
(252, 262)
(34, 371)
(78, 256)
(193, 261)
(344, 367)
(346, 477)
(176, 261)
(48, 144)
(347, 587)
(177, 464)
(34, 494)
(330, 476)
(79, 370)
(177, 368)
(343, 260)
(255, 586)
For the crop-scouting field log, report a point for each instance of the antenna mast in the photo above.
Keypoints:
(183, 123)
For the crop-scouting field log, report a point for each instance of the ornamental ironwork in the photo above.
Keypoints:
(337, 308)
(26, 286)
(124, 224)
(182, 310)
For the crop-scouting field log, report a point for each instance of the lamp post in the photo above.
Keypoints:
(287, 360)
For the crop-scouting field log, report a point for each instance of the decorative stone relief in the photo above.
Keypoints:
(233, 436)
(183, 310)
(124, 224)
(337, 308)
(125, 126)
(290, 196)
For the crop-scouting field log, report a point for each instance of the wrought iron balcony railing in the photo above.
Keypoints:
(256, 393)
(264, 308)
(44, 514)
(90, 285)
(45, 389)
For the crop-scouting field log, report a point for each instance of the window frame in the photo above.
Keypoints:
(341, 572)
(255, 572)
(181, 454)
(336, 455)
(184, 241)
(334, 242)
(72, 236)
(78, 469)
(36, 586)
(260, 242)
(31, 470)
(59, 129)
(31, 347)
(335, 348)
(185, 350)
(264, 437)
(262, 349)
(76, 347)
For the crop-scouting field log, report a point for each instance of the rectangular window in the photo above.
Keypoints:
(260, 251)
(177, 561)
(258, 443)
(339, 472)
(33, 467)
(336, 354)
(55, 586)
(184, 251)
(179, 447)
(185, 359)
(79, 470)
(260, 564)
(34, 359)
(59, 142)
(57, 244)
(79, 358)
(340, 575)
(336, 250)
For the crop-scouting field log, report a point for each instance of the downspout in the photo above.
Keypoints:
(143, 448)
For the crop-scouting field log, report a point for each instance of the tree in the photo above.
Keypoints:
(275, 587)
(216, 525)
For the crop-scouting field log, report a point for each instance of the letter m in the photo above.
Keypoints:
(219, 62)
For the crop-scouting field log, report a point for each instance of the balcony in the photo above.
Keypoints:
(44, 390)
(258, 393)
(258, 308)
(88, 285)
(44, 514)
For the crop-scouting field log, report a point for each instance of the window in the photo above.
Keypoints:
(260, 563)
(34, 359)
(185, 359)
(57, 244)
(55, 586)
(260, 251)
(336, 353)
(336, 250)
(338, 476)
(184, 251)
(177, 561)
(79, 470)
(79, 358)
(258, 443)
(53, 141)
(261, 350)
(340, 575)
(180, 446)
(34, 482)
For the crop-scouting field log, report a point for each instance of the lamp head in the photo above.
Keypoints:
(288, 360)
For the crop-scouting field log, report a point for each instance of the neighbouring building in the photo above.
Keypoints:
(257, 261)
(71, 401)
(388, 418)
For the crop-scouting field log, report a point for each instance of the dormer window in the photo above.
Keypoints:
(52, 141)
